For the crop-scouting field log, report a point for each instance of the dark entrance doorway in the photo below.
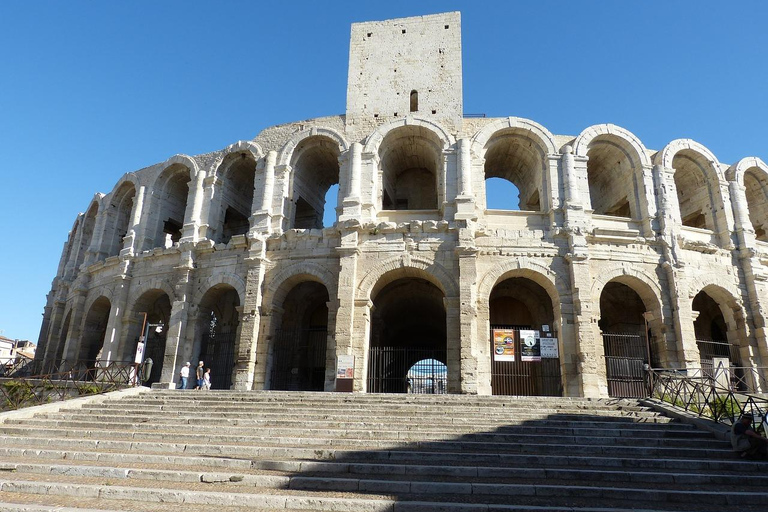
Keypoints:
(711, 331)
(519, 304)
(408, 326)
(157, 306)
(625, 340)
(219, 323)
(299, 344)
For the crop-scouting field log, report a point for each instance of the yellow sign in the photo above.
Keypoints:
(503, 345)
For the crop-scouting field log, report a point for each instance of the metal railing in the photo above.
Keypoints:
(24, 386)
(722, 394)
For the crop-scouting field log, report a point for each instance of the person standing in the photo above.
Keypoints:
(207, 379)
(199, 372)
(183, 376)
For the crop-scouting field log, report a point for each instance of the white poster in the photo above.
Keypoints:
(530, 349)
(345, 367)
(139, 353)
(549, 348)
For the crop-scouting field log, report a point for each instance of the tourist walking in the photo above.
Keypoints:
(183, 376)
(199, 371)
(207, 379)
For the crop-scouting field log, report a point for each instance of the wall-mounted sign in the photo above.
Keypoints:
(345, 367)
(544, 328)
(530, 347)
(139, 353)
(549, 348)
(503, 345)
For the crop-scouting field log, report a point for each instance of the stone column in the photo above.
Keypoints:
(261, 220)
(465, 200)
(457, 381)
(348, 340)
(647, 208)
(177, 323)
(281, 214)
(361, 341)
(570, 180)
(196, 197)
(48, 350)
(95, 252)
(110, 351)
(471, 343)
(130, 242)
(247, 344)
(72, 346)
(352, 201)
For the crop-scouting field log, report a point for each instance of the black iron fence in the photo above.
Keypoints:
(298, 360)
(626, 358)
(219, 356)
(523, 377)
(407, 370)
(24, 387)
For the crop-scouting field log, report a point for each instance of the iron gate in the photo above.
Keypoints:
(407, 370)
(625, 358)
(219, 356)
(155, 349)
(524, 378)
(298, 360)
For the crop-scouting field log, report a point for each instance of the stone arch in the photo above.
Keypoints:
(523, 267)
(288, 277)
(585, 139)
(407, 266)
(156, 283)
(737, 170)
(94, 294)
(645, 284)
(183, 160)
(374, 140)
(94, 327)
(241, 146)
(752, 175)
(535, 131)
(169, 202)
(285, 154)
(119, 205)
(667, 155)
(88, 228)
(228, 278)
(230, 206)
(130, 177)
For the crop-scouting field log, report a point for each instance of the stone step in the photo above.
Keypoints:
(372, 439)
(371, 498)
(331, 448)
(677, 432)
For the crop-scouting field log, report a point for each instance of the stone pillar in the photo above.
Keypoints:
(261, 220)
(130, 242)
(48, 350)
(570, 180)
(95, 252)
(470, 343)
(247, 344)
(360, 343)
(177, 322)
(647, 208)
(281, 214)
(196, 196)
(330, 347)
(465, 200)
(457, 381)
(72, 346)
(348, 340)
(110, 351)
(352, 201)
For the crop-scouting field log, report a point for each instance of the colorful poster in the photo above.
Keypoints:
(549, 348)
(530, 346)
(503, 345)
(345, 367)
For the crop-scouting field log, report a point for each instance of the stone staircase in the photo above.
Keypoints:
(266, 451)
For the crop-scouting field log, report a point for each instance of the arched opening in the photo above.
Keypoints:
(408, 325)
(711, 330)
(157, 306)
(427, 377)
(611, 178)
(410, 159)
(169, 205)
(217, 328)
(501, 194)
(315, 171)
(70, 247)
(94, 330)
(237, 173)
(299, 344)
(693, 192)
(517, 159)
(86, 235)
(756, 184)
(625, 334)
(414, 101)
(118, 217)
(62, 339)
(331, 203)
(523, 337)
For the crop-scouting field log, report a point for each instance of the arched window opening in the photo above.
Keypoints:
(236, 199)
(118, 217)
(414, 101)
(86, 236)
(693, 193)
(521, 316)
(316, 170)
(408, 325)
(410, 159)
(216, 336)
(711, 331)
(756, 184)
(157, 305)
(512, 158)
(94, 331)
(298, 359)
(611, 178)
(428, 376)
(170, 204)
(625, 340)
(331, 203)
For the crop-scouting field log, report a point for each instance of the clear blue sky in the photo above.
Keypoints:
(91, 90)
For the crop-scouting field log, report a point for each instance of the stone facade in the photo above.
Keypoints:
(227, 249)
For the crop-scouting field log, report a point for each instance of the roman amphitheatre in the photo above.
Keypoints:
(615, 258)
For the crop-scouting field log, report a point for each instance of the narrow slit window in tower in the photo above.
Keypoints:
(414, 101)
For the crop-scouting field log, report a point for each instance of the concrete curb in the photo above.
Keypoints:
(54, 407)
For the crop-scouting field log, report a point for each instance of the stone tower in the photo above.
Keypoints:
(405, 66)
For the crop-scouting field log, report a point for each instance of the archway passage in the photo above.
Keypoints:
(408, 325)
(218, 326)
(94, 330)
(756, 184)
(711, 331)
(520, 311)
(118, 218)
(516, 159)
(611, 178)
(59, 355)
(625, 340)
(299, 344)
(410, 161)
(236, 199)
(169, 206)
(693, 190)
(157, 306)
(315, 171)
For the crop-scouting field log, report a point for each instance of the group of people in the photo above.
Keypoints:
(748, 443)
(202, 376)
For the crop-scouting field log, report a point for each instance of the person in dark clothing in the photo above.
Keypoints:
(745, 440)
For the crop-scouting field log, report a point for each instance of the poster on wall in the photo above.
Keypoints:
(139, 353)
(530, 346)
(345, 367)
(549, 348)
(503, 345)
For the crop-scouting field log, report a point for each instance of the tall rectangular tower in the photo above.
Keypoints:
(405, 66)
